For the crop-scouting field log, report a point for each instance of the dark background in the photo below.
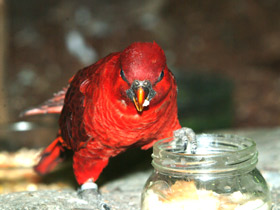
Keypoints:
(225, 54)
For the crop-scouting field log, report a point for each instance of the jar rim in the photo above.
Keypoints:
(207, 135)
(216, 153)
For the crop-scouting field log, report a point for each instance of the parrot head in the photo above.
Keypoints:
(143, 69)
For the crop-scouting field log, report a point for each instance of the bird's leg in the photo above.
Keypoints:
(89, 184)
(89, 192)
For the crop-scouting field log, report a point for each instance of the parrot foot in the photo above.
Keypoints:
(89, 192)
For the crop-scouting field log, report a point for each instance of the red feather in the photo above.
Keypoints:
(51, 106)
(99, 120)
(50, 157)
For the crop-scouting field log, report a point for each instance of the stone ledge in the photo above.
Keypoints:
(125, 193)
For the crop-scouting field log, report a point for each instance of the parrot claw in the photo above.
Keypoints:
(94, 198)
(89, 192)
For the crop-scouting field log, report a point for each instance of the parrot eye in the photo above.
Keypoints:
(123, 76)
(160, 76)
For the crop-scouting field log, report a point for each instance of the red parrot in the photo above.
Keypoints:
(126, 99)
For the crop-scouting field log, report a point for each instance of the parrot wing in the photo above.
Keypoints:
(51, 106)
(80, 101)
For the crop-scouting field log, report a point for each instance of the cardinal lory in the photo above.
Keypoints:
(127, 99)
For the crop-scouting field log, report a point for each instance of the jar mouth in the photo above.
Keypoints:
(216, 153)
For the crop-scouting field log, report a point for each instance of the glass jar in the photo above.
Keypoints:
(221, 175)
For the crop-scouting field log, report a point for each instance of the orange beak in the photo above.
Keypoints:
(140, 99)
(141, 93)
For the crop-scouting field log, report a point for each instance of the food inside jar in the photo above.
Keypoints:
(185, 195)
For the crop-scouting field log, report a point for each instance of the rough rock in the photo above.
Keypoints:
(125, 192)
(121, 194)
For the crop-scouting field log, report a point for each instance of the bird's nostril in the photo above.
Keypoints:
(137, 83)
(146, 83)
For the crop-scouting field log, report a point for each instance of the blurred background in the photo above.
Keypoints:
(224, 54)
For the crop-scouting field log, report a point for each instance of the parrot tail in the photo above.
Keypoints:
(50, 157)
